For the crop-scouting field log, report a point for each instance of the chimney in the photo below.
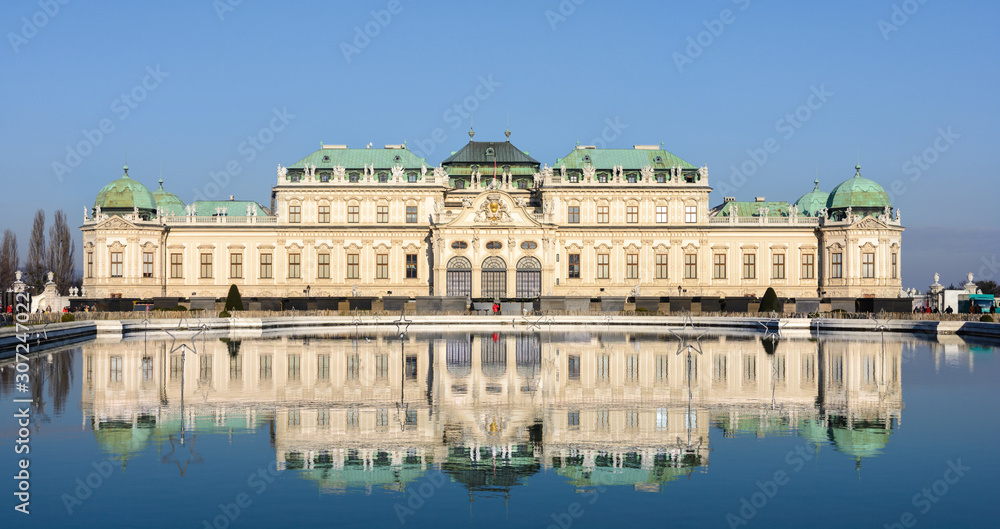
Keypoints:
(728, 199)
(760, 199)
(232, 198)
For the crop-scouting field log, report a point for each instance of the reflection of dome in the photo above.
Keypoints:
(862, 195)
(864, 439)
(168, 202)
(120, 196)
(486, 475)
(813, 430)
(812, 202)
(122, 439)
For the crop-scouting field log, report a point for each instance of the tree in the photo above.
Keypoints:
(61, 254)
(989, 287)
(769, 303)
(34, 267)
(8, 259)
(234, 301)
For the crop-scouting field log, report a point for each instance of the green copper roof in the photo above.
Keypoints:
(629, 159)
(858, 192)
(327, 158)
(750, 209)
(170, 203)
(234, 208)
(125, 194)
(478, 152)
(812, 202)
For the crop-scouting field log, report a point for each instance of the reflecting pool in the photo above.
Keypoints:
(541, 429)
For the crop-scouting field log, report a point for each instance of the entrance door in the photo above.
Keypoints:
(459, 277)
(529, 278)
(494, 276)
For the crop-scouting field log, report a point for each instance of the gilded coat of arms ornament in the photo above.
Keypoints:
(494, 210)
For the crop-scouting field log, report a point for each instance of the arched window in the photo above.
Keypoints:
(529, 277)
(459, 277)
(494, 245)
(494, 278)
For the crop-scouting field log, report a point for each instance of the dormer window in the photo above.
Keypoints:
(411, 177)
(324, 177)
(658, 159)
(602, 178)
(661, 178)
(397, 159)
(586, 158)
(353, 177)
(631, 178)
(295, 176)
(326, 158)
(383, 177)
(490, 151)
(459, 183)
(573, 177)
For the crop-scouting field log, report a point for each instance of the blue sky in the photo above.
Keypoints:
(183, 85)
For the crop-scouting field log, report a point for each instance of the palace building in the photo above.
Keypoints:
(491, 222)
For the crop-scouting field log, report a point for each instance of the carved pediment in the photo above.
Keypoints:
(869, 223)
(493, 207)
(115, 223)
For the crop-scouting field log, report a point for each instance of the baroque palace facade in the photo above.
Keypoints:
(492, 222)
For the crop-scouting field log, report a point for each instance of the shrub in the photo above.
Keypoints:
(769, 302)
(69, 317)
(224, 314)
(987, 318)
(233, 300)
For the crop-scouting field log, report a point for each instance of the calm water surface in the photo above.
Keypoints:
(531, 429)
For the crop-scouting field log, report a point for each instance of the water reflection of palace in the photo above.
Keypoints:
(491, 410)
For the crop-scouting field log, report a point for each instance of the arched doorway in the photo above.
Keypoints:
(529, 278)
(494, 284)
(459, 277)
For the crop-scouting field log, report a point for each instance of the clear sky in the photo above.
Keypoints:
(183, 86)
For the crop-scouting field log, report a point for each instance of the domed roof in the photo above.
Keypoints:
(860, 442)
(168, 202)
(858, 192)
(812, 202)
(125, 194)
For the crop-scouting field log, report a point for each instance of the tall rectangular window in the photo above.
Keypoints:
(265, 266)
(266, 363)
(574, 266)
(573, 215)
(206, 266)
(573, 365)
(147, 264)
(778, 266)
(632, 214)
(352, 266)
(603, 266)
(323, 266)
(294, 266)
(690, 266)
(323, 367)
(749, 266)
(324, 214)
(632, 266)
(294, 213)
(116, 369)
(837, 265)
(895, 265)
(808, 266)
(236, 265)
(661, 214)
(868, 265)
(352, 214)
(719, 266)
(294, 367)
(602, 214)
(382, 266)
(411, 214)
(353, 366)
(661, 266)
(690, 213)
(411, 266)
(382, 214)
(176, 266)
(90, 264)
(117, 264)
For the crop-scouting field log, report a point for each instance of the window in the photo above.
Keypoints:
(382, 266)
(352, 214)
(459, 183)
(574, 266)
(236, 367)
(778, 266)
(383, 177)
(690, 266)
(176, 266)
(837, 265)
(323, 367)
(266, 363)
(574, 177)
(411, 177)
(205, 368)
(690, 213)
(603, 266)
(353, 366)
(411, 266)
(719, 266)
(353, 177)
(662, 368)
(411, 214)
(324, 214)
(573, 419)
(631, 178)
(265, 266)
(531, 245)
(808, 266)
(661, 214)
(383, 214)
(602, 178)
(116, 264)
(294, 266)
(206, 266)
(323, 266)
(868, 265)
(573, 367)
(382, 367)
(236, 265)
(294, 367)
(573, 216)
(90, 264)
(632, 214)
(147, 264)
(603, 367)
(459, 245)
(602, 214)
(632, 368)
(632, 266)
(749, 266)
(115, 371)
(352, 266)
(494, 245)
(661, 266)
(410, 367)
(894, 264)
(294, 213)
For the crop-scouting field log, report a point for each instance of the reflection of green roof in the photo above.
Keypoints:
(754, 424)
(860, 442)
(812, 202)
(813, 430)
(354, 474)
(484, 474)
(858, 192)
(170, 203)
(605, 474)
(122, 439)
(358, 158)
(629, 159)
(124, 194)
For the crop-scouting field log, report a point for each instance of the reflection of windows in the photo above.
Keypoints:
(602, 419)
(573, 367)
(265, 366)
(353, 366)
(294, 418)
(719, 368)
(603, 368)
(294, 367)
(323, 367)
(837, 371)
(175, 367)
(631, 419)
(323, 418)
(661, 369)
(205, 368)
(116, 369)
(661, 419)
(352, 417)
(749, 369)
(779, 369)
(573, 420)
(632, 369)
(411, 368)
(382, 367)
(381, 419)
(837, 265)
(147, 369)
(236, 367)
(809, 368)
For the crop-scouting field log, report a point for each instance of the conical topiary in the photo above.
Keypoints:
(769, 303)
(233, 300)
